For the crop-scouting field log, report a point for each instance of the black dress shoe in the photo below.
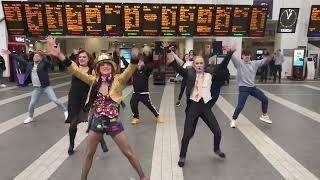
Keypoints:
(70, 150)
(220, 154)
(181, 162)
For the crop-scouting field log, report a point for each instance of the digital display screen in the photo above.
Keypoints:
(258, 21)
(169, 18)
(74, 18)
(186, 18)
(314, 22)
(298, 57)
(13, 16)
(54, 17)
(204, 20)
(240, 20)
(131, 19)
(113, 19)
(34, 18)
(150, 19)
(93, 19)
(222, 20)
(126, 54)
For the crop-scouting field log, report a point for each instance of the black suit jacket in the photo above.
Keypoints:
(42, 69)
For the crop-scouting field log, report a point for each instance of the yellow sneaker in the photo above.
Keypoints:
(160, 119)
(135, 121)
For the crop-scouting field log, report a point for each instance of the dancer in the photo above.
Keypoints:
(187, 63)
(103, 100)
(140, 82)
(38, 70)
(198, 95)
(246, 74)
(77, 97)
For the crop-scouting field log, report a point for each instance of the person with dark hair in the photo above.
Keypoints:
(2, 68)
(198, 92)
(278, 60)
(103, 100)
(76, 99)
(38, 70)
(246, 73)
(140, 79)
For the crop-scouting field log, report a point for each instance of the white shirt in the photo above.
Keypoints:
(34, 76)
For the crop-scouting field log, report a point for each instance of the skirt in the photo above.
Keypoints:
(103, 124)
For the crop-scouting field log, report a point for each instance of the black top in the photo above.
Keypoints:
(140, 78)
(2, 64)
(42, 69)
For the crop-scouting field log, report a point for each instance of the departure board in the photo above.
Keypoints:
(186, 21)
(13, 16)
(54, 17)
(93, 13)
(258, 21)
(150, 19)
(204, 23)
(131, 18)
(34, 18)
(222, 20)
(240, 20)
(74, 18)
(314, 22)
(113, 19)
(169, 16)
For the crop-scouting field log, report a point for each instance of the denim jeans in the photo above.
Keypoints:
(37, 92)
(244, 92)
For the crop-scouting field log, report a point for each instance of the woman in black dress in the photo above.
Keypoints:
(77, 97)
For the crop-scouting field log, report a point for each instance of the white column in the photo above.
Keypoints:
(4, 40)
(189, 45)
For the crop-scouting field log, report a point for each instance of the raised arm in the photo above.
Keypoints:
(226, 60)
(124, 61)
(16, 57)
(176, 66)
(135, 57)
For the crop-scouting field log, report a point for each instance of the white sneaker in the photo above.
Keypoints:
(65, 115)
(29, 119)
(265, 118)
(233, 123)
(3, 85)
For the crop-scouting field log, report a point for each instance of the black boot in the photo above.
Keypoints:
(72, 135)
(104, 145)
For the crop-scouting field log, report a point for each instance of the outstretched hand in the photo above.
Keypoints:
(170, 58)
(53, 48)
(135, 53)
(229, 48)
(5, 51)
(165, 44)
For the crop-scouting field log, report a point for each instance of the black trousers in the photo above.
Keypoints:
(145, 99)
(277, 69)
(193, 112)
(264, 73)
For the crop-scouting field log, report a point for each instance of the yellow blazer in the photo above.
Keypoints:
(118, 83)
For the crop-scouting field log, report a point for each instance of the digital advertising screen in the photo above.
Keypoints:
(13, 13)
(34, 18)
(314, 22)
(169, 20)
(150, 19)
(93, 14)
(186, 20)
(258, 21)
(54, 18)
(240, 20)
(131, 19)
(204, 20)
(113, 19)
(298, 57)
(126, 54)
(74, 18)
(222, 21)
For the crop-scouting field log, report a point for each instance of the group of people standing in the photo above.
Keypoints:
(96, 94)
(275, 67)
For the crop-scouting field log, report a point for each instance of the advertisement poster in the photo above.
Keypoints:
(298, 57)
(268, 3)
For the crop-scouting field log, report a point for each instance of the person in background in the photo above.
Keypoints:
(278, 60)
(246, 74)
(264, 69)
(2, 68)
(38, 71)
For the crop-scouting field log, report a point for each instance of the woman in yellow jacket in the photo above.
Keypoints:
(103, 100)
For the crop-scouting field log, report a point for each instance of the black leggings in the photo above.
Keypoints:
(145, 99)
